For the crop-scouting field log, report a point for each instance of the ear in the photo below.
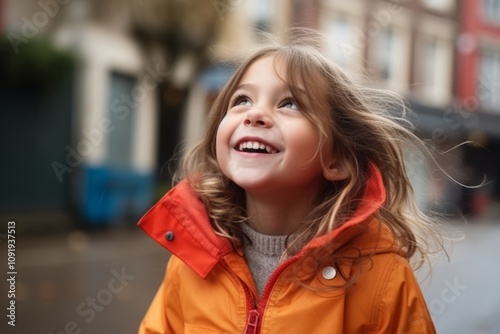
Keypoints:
(334, 171)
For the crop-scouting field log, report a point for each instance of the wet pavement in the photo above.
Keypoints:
(99, 282)
(103, 282)
(463, 295)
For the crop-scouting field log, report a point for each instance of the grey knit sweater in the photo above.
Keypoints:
(263, 254)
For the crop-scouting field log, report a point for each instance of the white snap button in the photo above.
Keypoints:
(329, 273)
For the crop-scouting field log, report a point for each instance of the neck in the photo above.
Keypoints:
(275, 214)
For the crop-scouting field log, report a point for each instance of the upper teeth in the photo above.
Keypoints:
(256, 145)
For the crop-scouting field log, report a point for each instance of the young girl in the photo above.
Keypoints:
(295, 213)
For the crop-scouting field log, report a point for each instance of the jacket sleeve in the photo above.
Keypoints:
(403, 308)
(165, 314)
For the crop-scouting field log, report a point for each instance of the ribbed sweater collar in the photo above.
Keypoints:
(272, 245)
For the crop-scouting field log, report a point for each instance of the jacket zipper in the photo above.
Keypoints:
(252, 322)
(272, 280)
(254, 316)
(254, 313)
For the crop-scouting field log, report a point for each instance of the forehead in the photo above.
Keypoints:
(266, 66)
(301, 74)
(271, 71)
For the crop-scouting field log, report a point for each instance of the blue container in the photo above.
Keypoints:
(110, 195)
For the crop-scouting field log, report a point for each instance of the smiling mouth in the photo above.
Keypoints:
(255, 147)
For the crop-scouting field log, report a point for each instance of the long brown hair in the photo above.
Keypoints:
(368, 126)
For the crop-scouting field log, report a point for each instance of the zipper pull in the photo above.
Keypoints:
(252, 322)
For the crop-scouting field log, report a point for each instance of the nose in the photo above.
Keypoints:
(257, 118)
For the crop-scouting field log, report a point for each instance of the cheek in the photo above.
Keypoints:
(305, 139)
(218, 144)
(222, 133)
(222, 142)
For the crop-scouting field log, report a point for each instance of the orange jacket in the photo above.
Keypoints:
(208, 287)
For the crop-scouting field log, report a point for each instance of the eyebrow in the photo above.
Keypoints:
(251, 86)
(246, 85)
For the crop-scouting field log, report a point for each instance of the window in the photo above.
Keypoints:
(385, 54)
(488, 85)
(261, 13)
(491, 10)
(121, 116)
(433, 71)
(340, 30)
(390, 54)
(430, 50)
(440, 5)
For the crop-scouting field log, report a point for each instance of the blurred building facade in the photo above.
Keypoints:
(103, 164)
(145, 73)
(478, 89)
(87, 145)
(442, 57)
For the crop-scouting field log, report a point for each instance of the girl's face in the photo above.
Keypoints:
(265, 143)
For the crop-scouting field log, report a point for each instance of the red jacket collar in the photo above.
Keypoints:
(179, 222)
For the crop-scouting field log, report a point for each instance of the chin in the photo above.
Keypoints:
(253, 185)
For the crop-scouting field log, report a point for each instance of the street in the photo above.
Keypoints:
(97, 282)
(463, 295)
(103, 282)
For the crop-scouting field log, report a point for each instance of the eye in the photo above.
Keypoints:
(241, 100)
(289, 103)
